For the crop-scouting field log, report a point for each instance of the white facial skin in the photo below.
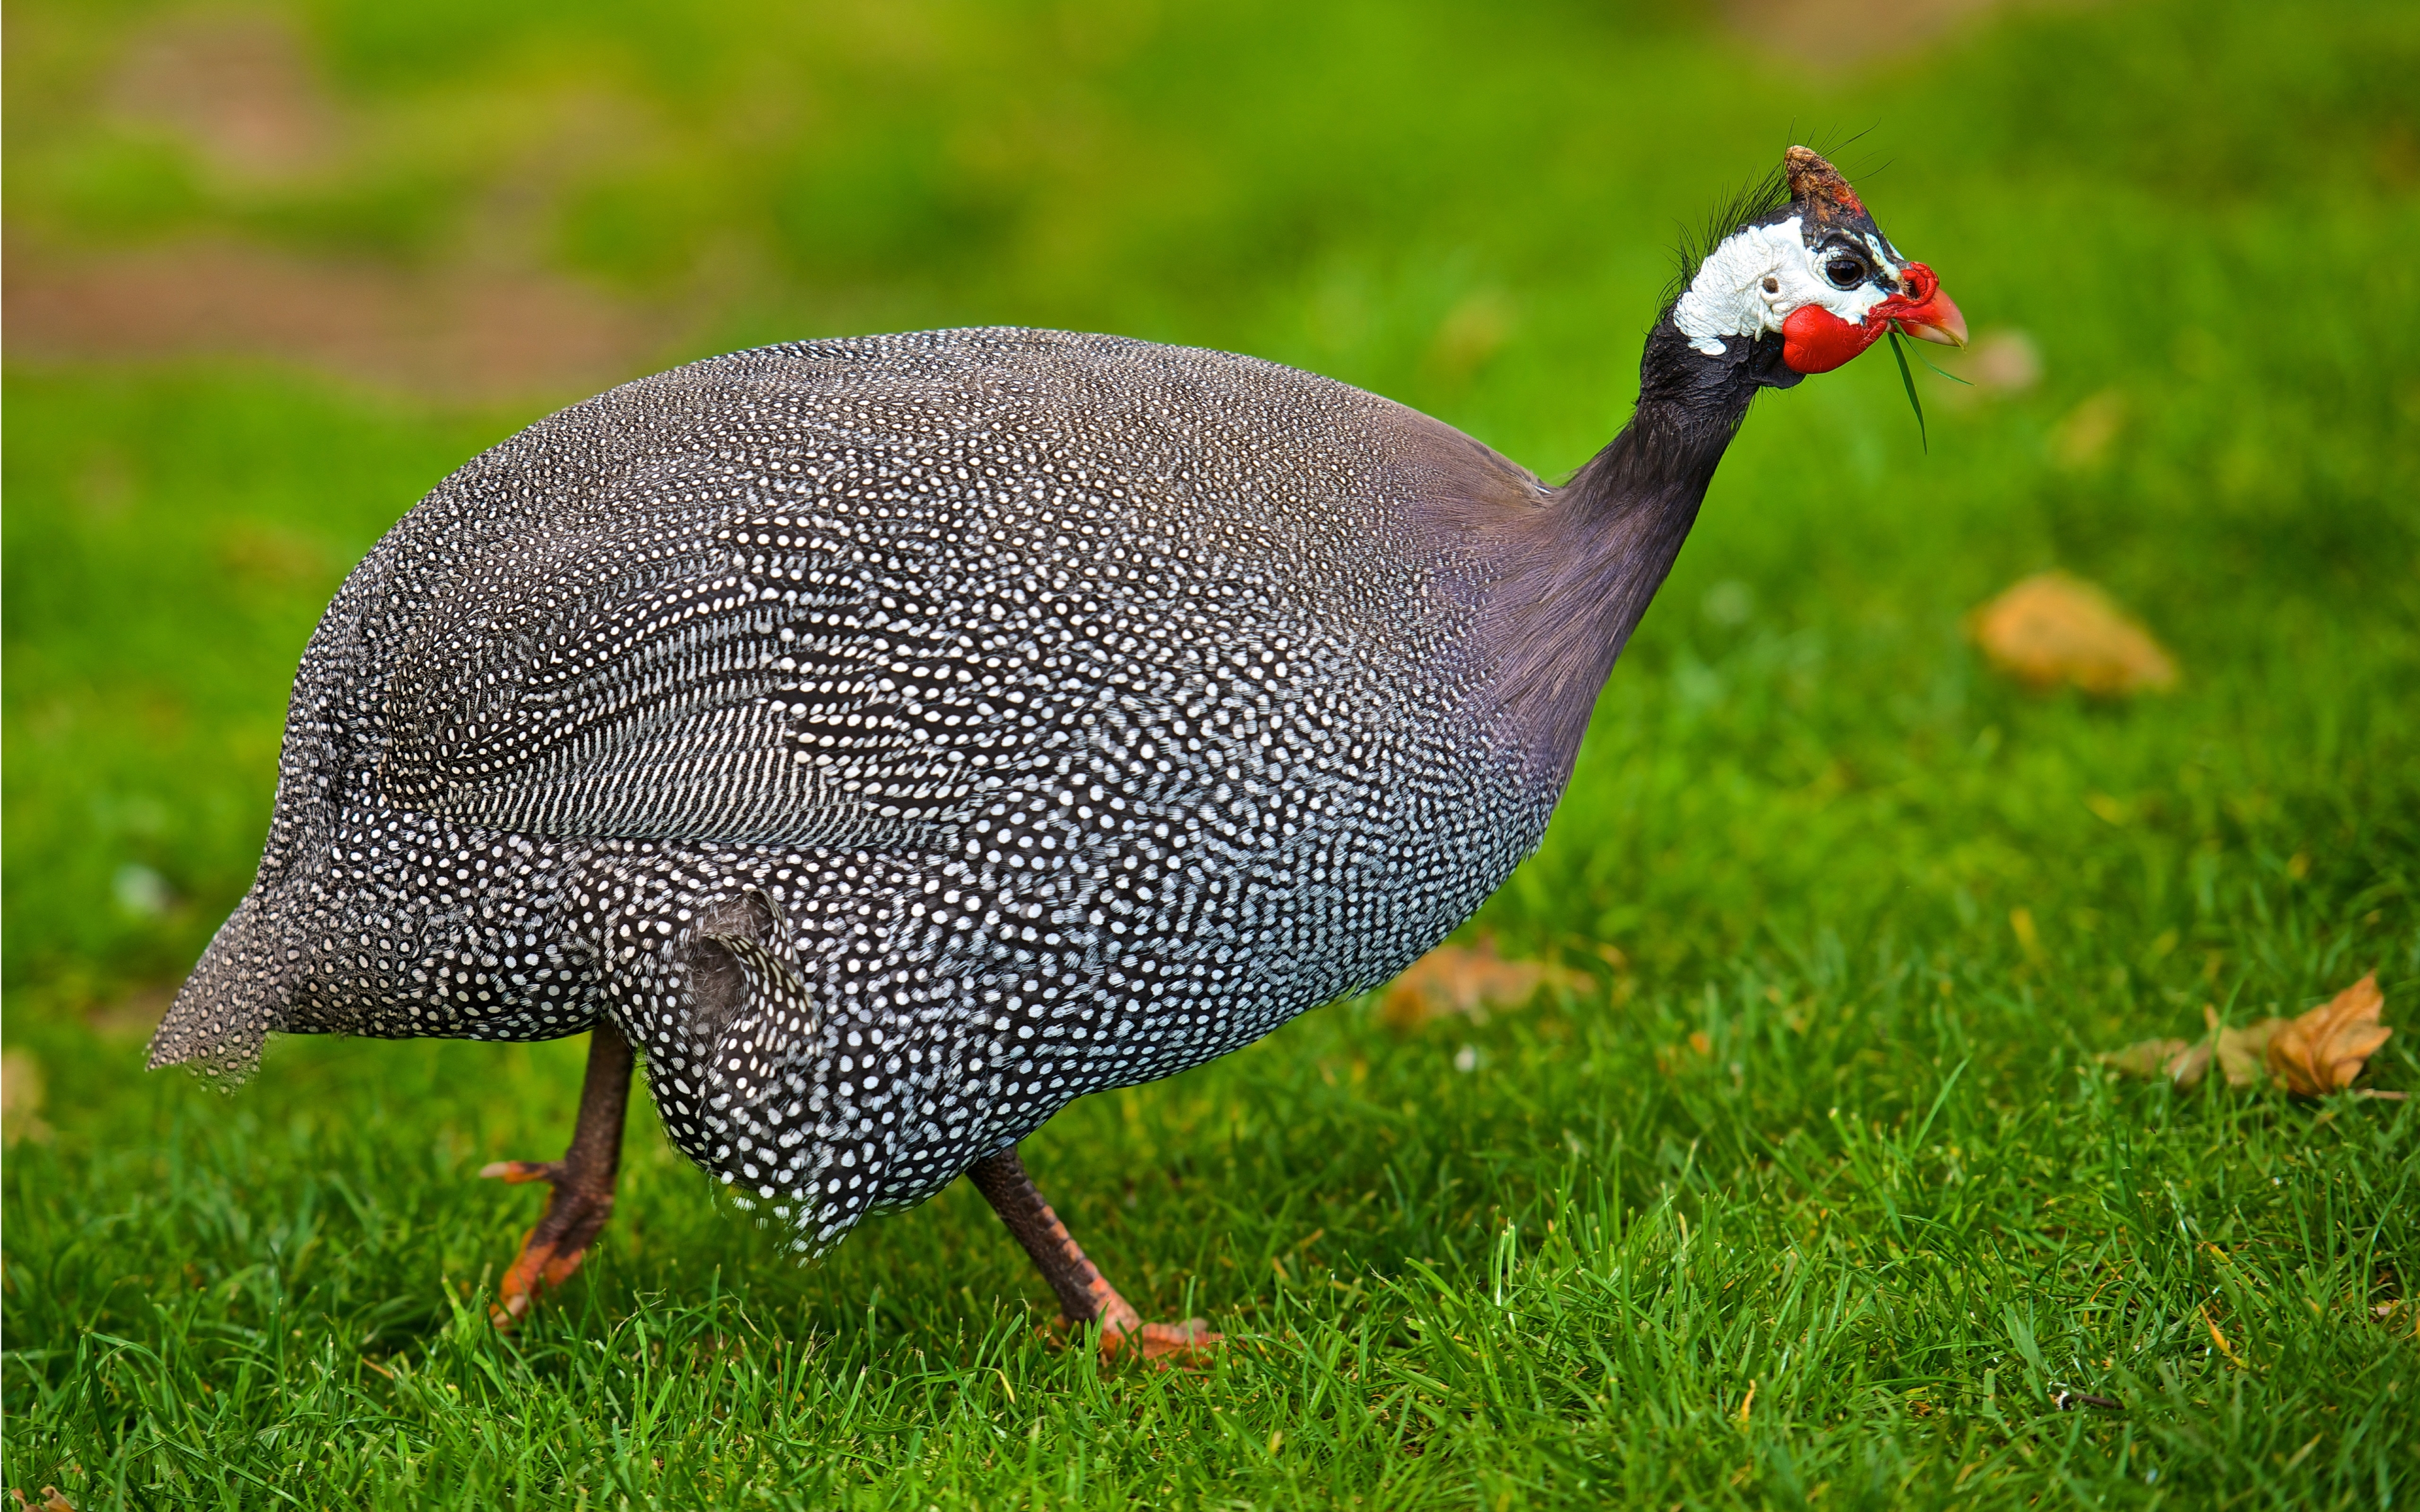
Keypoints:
(1762, 273)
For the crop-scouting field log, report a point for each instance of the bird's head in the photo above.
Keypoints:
(1803, 281)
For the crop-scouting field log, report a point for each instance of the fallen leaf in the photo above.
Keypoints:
(2240, 1051)
(2324, 1050)
(2145, 1057)
(2188, 1069)
(2182, 1062)
(51, 1500)
(2319, 1053)
(2055, 628)
(1462, 979)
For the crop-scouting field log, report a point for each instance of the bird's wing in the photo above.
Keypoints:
(792, 595)
(699, 651)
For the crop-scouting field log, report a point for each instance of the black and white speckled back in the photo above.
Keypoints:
(897, 738)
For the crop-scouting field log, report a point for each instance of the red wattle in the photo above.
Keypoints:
(1814, 340)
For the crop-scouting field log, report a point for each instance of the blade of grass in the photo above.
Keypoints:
(1953, 378)
(1908, 381)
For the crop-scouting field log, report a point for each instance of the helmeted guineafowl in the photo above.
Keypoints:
(893, 739)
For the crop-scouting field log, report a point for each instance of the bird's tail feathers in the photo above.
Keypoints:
(224, 1012)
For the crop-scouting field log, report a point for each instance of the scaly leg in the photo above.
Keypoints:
(582, 1181)
(1084, 1294)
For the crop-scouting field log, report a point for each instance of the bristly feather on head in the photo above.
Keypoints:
(1754, 201)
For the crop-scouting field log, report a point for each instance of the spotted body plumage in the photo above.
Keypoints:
(896, 739)
(893, 740)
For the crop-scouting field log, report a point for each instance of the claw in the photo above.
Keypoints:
(541, 1266)
(516, 1293)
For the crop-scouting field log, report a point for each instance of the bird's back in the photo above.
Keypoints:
(898, 737)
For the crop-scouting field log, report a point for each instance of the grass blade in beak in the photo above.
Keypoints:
(1908, 378)
(1938, 372)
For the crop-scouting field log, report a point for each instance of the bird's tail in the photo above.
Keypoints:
(227, 1007)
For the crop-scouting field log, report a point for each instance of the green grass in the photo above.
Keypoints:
(1828, 1132)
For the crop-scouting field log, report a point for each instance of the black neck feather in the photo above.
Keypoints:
(1604, 544)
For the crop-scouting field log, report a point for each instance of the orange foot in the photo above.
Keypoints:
(551, 1251)
(1188, 1345)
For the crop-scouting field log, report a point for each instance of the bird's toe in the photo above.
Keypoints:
(551, 1252)
(1185, 1345)
(516, 1293)
(517, 1171)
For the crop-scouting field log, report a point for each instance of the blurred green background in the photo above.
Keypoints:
(274, 269)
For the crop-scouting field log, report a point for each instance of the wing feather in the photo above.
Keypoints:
(655, 673)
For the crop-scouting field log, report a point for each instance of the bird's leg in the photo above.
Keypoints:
(583, 1181)
(1085, 1296)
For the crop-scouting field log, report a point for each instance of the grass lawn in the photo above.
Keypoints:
(1800, 1186)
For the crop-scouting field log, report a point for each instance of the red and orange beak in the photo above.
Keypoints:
(1923, 311)
(1814, 340)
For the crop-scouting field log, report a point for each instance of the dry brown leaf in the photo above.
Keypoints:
(2145, 1057)
(2188, 1069)
(2236, 1052)
(1462, 978)
(2183, 1062)
(51, 1500)
(2055, 628)
(2321, 1052)
(2240, 1051)
(2324, 1049)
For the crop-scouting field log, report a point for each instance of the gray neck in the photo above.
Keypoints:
(1587, 564)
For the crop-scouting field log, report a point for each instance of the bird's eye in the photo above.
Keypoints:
(1845, 272)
